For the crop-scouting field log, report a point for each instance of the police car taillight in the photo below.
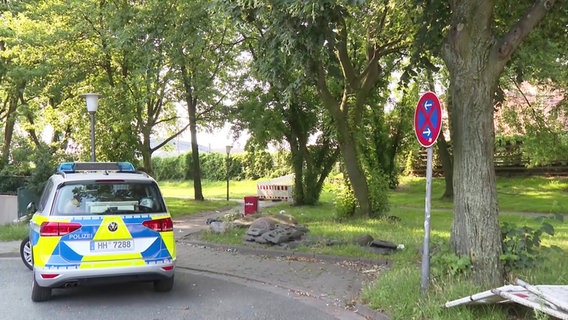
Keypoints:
(51, 229)
(159, 225)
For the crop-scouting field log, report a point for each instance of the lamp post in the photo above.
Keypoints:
(228, 149)
(92, 105)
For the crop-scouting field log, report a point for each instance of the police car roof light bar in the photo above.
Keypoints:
(72, 167)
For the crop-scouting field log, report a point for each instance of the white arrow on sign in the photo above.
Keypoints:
(427, 132)
(427, 104)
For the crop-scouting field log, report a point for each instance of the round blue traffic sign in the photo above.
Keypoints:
(428, 119)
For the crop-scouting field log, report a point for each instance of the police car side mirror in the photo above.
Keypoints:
(31, 208)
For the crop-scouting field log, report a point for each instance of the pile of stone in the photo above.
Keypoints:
(283, 230)
(275, 230)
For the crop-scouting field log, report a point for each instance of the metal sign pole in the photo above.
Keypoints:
(425, 281)
(427, 127)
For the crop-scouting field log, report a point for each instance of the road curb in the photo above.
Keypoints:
(284, 253)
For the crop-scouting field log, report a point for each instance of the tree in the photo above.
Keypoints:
(202, 48)
(13, 77)
(112, 47)
(279, 104)
(271, 117)
(24, 77)
(476, 56)
(346, 50)
(122, 58)
(537, 117)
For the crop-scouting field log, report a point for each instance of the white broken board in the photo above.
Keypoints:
(550, 299)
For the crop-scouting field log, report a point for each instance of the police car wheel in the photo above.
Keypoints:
(40, 293)
(26, 253)
(164, 285)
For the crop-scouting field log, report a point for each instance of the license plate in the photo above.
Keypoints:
(112, 245)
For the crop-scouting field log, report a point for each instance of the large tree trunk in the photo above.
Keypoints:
(348, 147)
(146, 151)
(347, 144)
(9, 130)
(298, 158)
(475, 229)
(198, 190)
(192, 115)
(476, 59)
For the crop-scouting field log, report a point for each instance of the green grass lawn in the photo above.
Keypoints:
(211, 189)
(522, 194)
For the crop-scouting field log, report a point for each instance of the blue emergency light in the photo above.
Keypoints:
(67, 167)
(72, 167)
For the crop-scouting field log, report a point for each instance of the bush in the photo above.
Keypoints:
(9, 184)
(522, 245)
(345, 202)
(257, 164)
(378, 190)
(170, 168)
(213, 166)
(444, 262)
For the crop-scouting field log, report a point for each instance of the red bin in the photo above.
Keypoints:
(251, 204)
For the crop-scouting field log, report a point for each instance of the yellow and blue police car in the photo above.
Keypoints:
(97, 222)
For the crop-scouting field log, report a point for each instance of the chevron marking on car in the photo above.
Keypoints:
(104, 233)
(167, 237)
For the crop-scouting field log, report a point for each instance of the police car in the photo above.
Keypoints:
(98, 222)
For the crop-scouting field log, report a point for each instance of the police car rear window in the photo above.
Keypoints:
(108, 197)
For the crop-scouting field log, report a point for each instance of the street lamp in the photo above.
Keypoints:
(92, 105)
(228, 149)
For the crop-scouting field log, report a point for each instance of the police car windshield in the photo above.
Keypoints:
(108, 198)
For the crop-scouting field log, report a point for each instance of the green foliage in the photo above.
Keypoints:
(378, 190)
(247, 166)
(213, 166)
(46, 164)
(543, 140)
(10, 183)
(258, 164)
(169, 168)
(35, 164)
(388, 135)
(14, 176)
(509, 150)
(21, 174)
(444, 262)
(281, 164)
(345, 202)
(522, 245)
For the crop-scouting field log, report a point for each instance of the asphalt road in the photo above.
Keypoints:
(195, 296)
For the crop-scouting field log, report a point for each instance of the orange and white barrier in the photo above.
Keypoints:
(274, 192)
